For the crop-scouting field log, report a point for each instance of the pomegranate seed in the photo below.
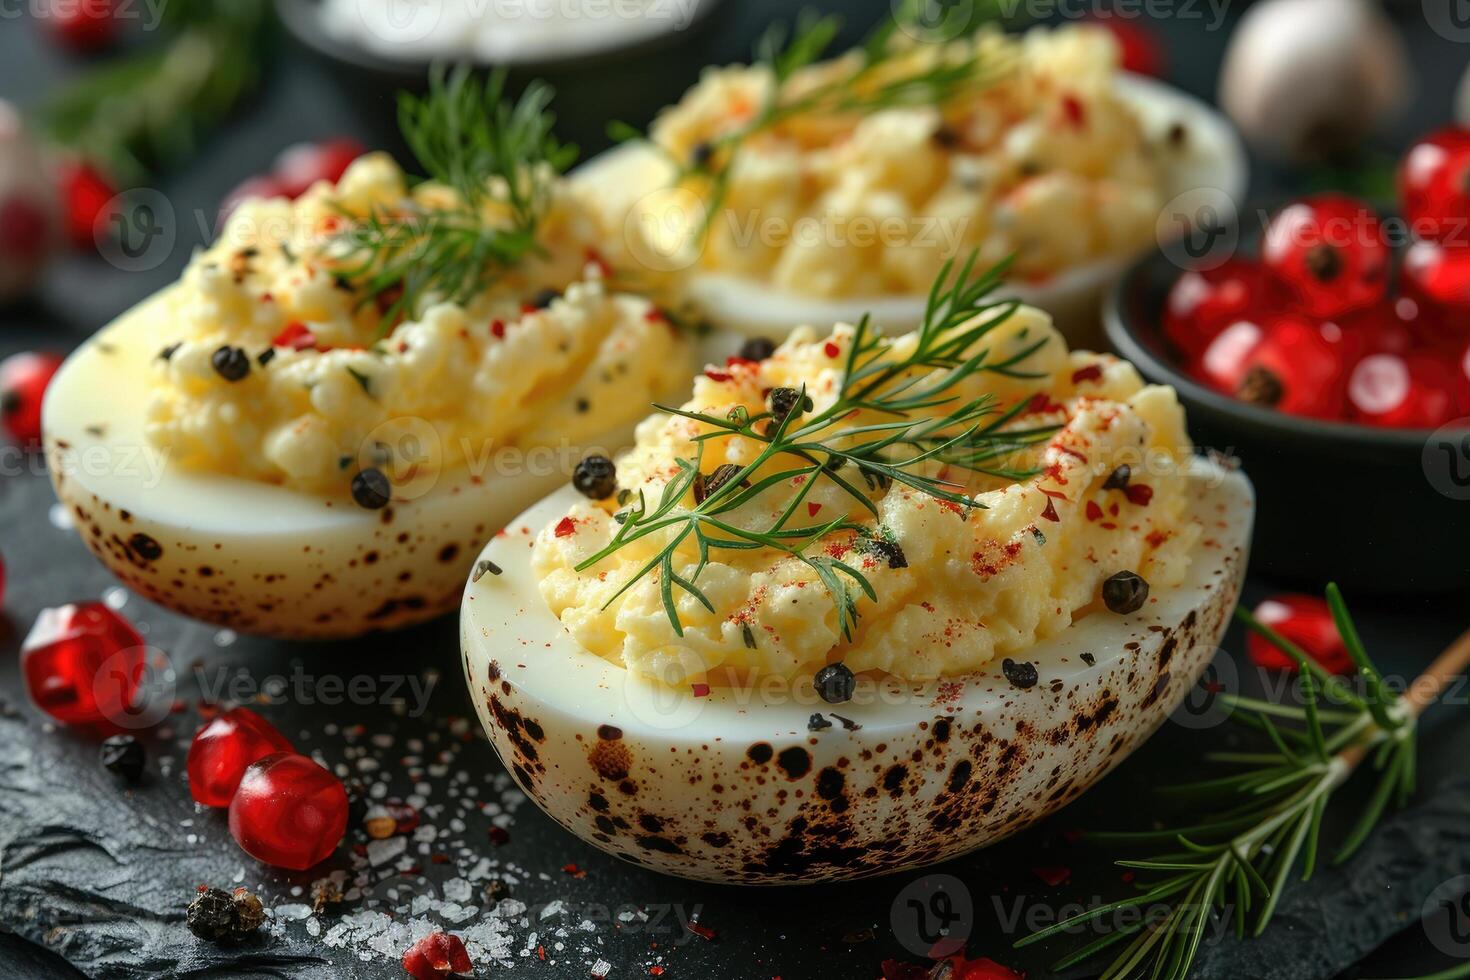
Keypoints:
(82, 664)
(86, 196)
(23, 382)
(1414, 391)
(84, 25)
(289, 812)
(1434, 186)
(1224, 361)
(1330, 253)
(1306, 621)
(300, 166)
(1139, 49)
(437, 955)
(223, 749)
(1201, 304)
(1439, 274)
(1296, 369)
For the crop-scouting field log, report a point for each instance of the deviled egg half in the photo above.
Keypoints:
(314, 431)
(861, 605)
(839, 189)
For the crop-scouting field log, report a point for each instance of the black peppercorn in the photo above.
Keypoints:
(1022, 675)
(371, 489)
(783, 401)
(756, 349)
(705, 486)
(266, 356)
(889, 551)
(231, 363)
(701, 154)
(1125, 592)
(249, 913)
(123, 756)
(835, 683)
(596, 477)
(212, 914)
(496, 890)
(816, 723)
(1118, 479)
(545, 298)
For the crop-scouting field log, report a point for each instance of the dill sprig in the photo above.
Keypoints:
(468, 137)
(925, 425)
(866, 88)
(1266, 820)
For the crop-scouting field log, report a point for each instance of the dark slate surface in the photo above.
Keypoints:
(94, 879)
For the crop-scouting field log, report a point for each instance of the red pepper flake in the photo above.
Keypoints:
(1139, 493)
(497, 329)
(1094, 512)
(527, 309)
(1128, 877)
(813, 509)
(594, 257)
(565, 527)
(1075, 111)
(741, 362)
(499, 836)
(832, 349)
(1052, 876)
(702, 931)
(573, 870)
(714, 375)
(1051, 511)
(295, 336)
(1157, 538)
(655, 315)
(1054, 494)
(1093, 372)
(655, 971)
(267, 298)
(541, 953)
(700, 690)
(1040, 404)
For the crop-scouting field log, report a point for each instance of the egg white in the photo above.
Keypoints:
(731, 786)
(251, 556)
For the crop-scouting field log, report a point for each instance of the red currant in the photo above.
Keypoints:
(1434, 186)
(82, 664)
(1305, 621)
(223, 749)
(23, 381)
(1439, 274)
(1413, 391)
(1139, 49)
(437, 955)
(1395, 326)
(1296, 369)
(85, 25)
(302, 165)
(1223, 364)
(289, 812)
(1201, 304)
(1330, 253)
(87, 198)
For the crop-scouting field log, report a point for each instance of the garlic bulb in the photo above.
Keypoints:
(1304, 79)
(28, 208)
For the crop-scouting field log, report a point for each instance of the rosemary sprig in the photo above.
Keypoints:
(1265, 820)
(468, 137)
(150, 109)
(868, 86)
(924, 426)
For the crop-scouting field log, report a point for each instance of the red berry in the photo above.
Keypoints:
(23, 381)
(1414, 391)
(1139, 49)
(1306, 621)
(302, 165)
(1223, 364)
(1439, 274)
(82, 664)
(1330, 253)
(86, 196)
(1434, 186)
(289, 812)
(1296, 369)
(1395, 326)
(223, 749)
(85, 25)
(1201, 304)
(437, 955)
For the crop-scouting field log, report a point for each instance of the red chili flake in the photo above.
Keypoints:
(832, 349)
(1157, 538)
(1052, 876)
(295, 336)
(714, 375)
(594, 257)
(1139, 493)
(700, 690)
(813, 509)
(1094, 512)
(1128, 877)
(1093, 372)
(702, 931)
(1071, 452)
(499, 836)
(566, 527)
(573, 870)
(267, 298)
(541, 953)
(497, 328)
(741, 362)
(1041, 405)
(655, 315)
(1076, 112)
(529, 308)
(1054, 494)
(1051, 511)
(655, 971)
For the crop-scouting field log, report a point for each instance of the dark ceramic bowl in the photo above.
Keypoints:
(1377, 510)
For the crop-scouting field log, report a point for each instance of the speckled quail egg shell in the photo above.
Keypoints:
(733, 787)
(254, 557)
(1212, 170)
